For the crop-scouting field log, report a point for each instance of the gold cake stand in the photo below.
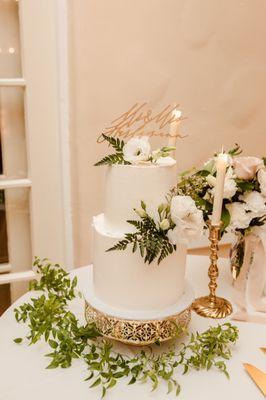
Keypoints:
(138, 328)
(138, 332)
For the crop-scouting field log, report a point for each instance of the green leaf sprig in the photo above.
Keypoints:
(150, 238)
(48, 317)
(115, 158)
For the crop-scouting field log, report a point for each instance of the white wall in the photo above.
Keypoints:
(209, 55)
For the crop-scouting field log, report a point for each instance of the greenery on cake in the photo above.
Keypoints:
(150, 237)
(48, 317)
(178, 221)
(118, 156)
(136, 150)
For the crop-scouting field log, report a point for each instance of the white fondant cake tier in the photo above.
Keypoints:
(122, 280)
(127, 185)
(90, 296)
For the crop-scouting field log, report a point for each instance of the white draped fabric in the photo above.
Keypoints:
(23, 375)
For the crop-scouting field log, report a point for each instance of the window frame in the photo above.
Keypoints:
(44, 36)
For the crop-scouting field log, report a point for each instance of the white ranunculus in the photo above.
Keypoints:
(230, 186)
(165, 161)
(137, 149)
(188, 219)
(262, 180)
(255, 203)
(247, 167)
(239, 217)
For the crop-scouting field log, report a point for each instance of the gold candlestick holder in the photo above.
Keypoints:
(212, 306)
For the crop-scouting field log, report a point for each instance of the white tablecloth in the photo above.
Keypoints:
(23, 375)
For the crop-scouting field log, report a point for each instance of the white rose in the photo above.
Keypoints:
(187, 230)
(246, 167)
(137, 149)
(239, 218)
(188, 219)
(165, 161)
(255, 203)
(230, 186)
(262, 180)
(181, 207)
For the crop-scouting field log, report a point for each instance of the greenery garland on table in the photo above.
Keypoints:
(48, 317)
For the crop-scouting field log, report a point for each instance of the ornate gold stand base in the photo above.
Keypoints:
(136, 332)
(212, 307)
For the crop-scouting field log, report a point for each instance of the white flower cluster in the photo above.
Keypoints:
(242, 213)
(251, 204)
(181, 220)
(188, 220)
(138, 150)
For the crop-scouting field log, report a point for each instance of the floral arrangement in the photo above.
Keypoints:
(136, 150)
(244, 204)
(190, 204)
(179, 221)
(49, 318)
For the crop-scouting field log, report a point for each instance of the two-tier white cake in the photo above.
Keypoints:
(121, 279)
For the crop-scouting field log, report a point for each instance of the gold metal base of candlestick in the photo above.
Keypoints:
(212, 306)
(209, 307)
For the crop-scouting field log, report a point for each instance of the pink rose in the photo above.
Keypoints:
(247, 167)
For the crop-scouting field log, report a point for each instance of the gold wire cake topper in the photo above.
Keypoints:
(141, 120)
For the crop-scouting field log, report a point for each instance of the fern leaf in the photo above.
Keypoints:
(135, 246)
(121, 245)
(116, 158)
(152, 242)
(117, 144)
(136, 224)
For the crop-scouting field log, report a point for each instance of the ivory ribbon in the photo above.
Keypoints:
(250, 283)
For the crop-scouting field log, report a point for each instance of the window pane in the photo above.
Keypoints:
(3, 230)
(12, 132)
(19, 235)
(10, 63)
(4, 289)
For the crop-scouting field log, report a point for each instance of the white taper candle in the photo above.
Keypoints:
(221, 165)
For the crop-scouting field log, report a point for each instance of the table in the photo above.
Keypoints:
(23, 375)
